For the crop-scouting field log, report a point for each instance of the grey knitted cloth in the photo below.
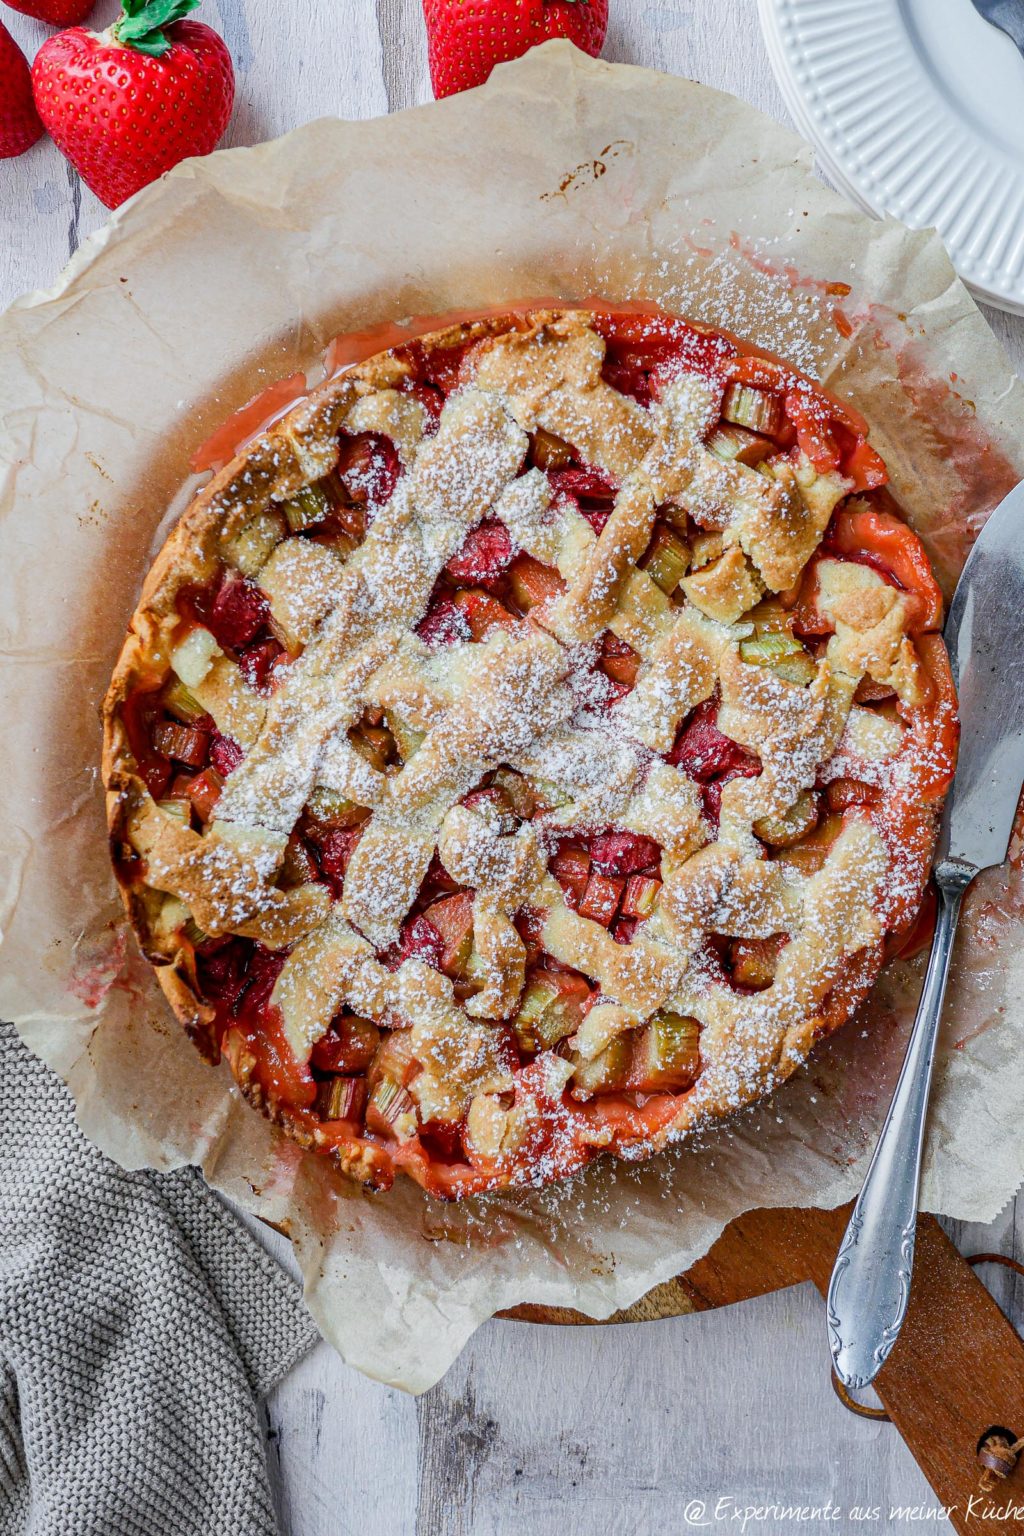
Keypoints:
(139, 1323)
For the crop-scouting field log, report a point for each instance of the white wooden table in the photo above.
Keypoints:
(549, 1432)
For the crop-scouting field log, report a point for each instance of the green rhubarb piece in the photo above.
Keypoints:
(735, 445)
(670, 1049)
(308, 506)
(755, 409)
(328, 805)
(181, 702)
(545, 1016)
(607, 1071)
(783, 653)
(180, 810)
(669, 561)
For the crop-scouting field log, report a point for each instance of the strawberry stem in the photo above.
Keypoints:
(141, 23)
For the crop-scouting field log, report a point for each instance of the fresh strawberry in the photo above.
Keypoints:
(19, 120)
(466, 38)
(125, 105)
(56, 13)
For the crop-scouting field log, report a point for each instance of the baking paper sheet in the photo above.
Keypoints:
(562, 178)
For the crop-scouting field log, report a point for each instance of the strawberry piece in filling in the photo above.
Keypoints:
(705, 753)
(258, 664)
(486, 554)
(368, 467)
(444, 623)
(238, 611)
(225, 753)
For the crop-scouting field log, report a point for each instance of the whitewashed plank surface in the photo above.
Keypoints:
(534, 1430)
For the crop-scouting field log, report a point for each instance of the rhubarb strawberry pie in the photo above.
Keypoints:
(530, 745)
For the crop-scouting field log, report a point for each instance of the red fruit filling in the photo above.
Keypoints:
(486, 554)
(368, 467)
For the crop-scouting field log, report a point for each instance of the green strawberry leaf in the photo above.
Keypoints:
(141, 23)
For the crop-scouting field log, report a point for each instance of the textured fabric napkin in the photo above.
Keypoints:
(139, 1323)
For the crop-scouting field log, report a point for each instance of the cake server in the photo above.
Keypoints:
(870, 1285)
(1007, 15)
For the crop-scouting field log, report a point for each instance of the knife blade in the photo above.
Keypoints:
(1007, 15)
(870, 1286)
(985, 638)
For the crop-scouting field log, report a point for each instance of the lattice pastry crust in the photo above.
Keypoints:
(530, 745)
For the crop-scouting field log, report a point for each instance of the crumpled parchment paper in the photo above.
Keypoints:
(562, 178)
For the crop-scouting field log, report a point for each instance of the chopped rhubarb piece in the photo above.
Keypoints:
(601, 898)
(517, 789)
(442, 366)
(703, 751)
(483, 612)
(624, 929)
(604, 1073)
(238, 613)
(341, 1098)
(571, 868)
(810, 853)
(667, 1054)
(348, 1046)
(753, 961)
(184, 743)
(624, 853)
(618, 661)
(336, 849)
(667, 559)
(533, 583)
(257, 664)
(640, 896)
(755, 409)
(178, 810)
(552, 1007)
(842, 793)
(225, 754)
(485, 555)
(391, 1111)
(444, 623)
(368, 467)
(336, 810)
(182, 703)
(204, 792)
(737, 445)
(299, 866)
(584, 481)
(452, 917)
(494, 805)
(550, 452)
(308, 506)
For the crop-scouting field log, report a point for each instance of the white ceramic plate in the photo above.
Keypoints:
(916, 108)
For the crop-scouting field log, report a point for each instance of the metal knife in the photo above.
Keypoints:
(870, 1285)
(1007, 15)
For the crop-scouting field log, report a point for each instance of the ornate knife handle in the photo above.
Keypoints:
(870, 1285)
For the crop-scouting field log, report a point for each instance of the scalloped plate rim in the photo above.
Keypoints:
(783, 62)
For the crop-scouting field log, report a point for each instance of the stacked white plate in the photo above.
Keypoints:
(916, 108)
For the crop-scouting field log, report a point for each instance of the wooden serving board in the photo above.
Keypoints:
(957, 1370)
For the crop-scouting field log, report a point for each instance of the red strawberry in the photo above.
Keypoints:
(127, 104)
(56, 13)
(466, 38)
(19, 121)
